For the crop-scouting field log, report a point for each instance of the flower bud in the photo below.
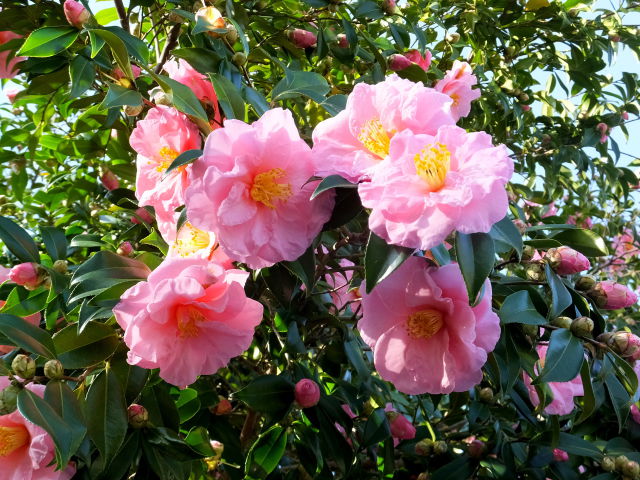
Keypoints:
(398, 62)
(530, 330)
(118, 74)
(585, 282)
(424, 447)
(53, 370)
(560, 455)
(213, 461)
(26, 274)
(11, 94)
(602, 128)
(239, 59)
(567, 261)
(582, 326)
(9, 399)
(631, 469)
(476, 448)
(109, 179)
(160, 97)
(401, 427)
(213, 18)
(307, 393)
(133, 110)
(612, 296)
(125, 249)
(137, 415)
(635, 413)
(624, 115)
(624, 343)
(75, 13)
(343, 42)
(142, 214)
(535, 272)
(61, 266)
(608, 464)
(24, 366)
(562, 322)
(423, 476)
(440, 447)
(525, 108)
(453, 37)
(232, 34)
(389, 7)
(302, 38)
(621, 462)
(486, 395)
(223, 406)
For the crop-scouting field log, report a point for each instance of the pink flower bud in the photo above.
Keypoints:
(342, 40)
(625, 115)
(401, 427)
(138, 416)
(635, 413)
(109, 180)
(25, 274)
(76, 14)
(142, 214)
(389, 7)
(626, 344)
(567, 261)
(117, 73)
(418, 59)
(476, 448)
(223, 406)
(398, 62)
(560, 455)
(125, 249)
(604, 138)
(302, 38)
(602, 128)
(525, 108)
(307, 393)
(11, 93)
(612, 296)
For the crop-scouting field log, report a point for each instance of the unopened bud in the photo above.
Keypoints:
(585, 282)
(562, 322)
(75, 13)
(133, 110)
(523, 97)
(223, 406)
(423, 476)
(175, 18)
(232, 34)
(239, 59)
(620, 463)
(453, 37)
(142, 214)
(476, 448)
(53, 370)
(61, 266)
(440, 447)
(213, 461)
(424, 447)
(608, 464)
(486, 395)
(9, 399)
(389, 7)
(624, 343)
(160, 97)
(125, 249)
(567, 261)
(24, 366)
(631, 469)
(137, 415)
(535, 273)
(582, 326)
(302, 38)
(307, 393)
(213, 19)
(612, 296)
(560, 455)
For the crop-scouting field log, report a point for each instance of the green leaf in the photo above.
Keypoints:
(376, 429)
(624, 371)
(381, 260)
(94, 344)
(563, 359)
(297, 83)
(24, 335)
(589, 404)
(304, 267)
(118, 48)
(506, 232)
(460, 468)
(229, 96)
(22, 302)
(187, 403)
(203, 60)
(576, 445)
(270, 394)
(107, 414)
(331, 182)
(266, 452)
(518, 308)
(183, 97)
(585, 241)
(96, 43)
(18, 241)
(47, 41)
(118, 96)
(476, 256)
(560, 296)
(55, 241)
(184, 158)
(136, 47)
(39, 412)
(60, 396)
(620, 399)
(82, 73)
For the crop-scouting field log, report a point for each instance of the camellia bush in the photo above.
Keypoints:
(318, 239)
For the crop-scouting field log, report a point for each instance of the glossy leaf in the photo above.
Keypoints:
(518, 308)
(24, 335)
(563, 359)
(18, 241)
(229, 96)
(476, 256)
(331, 182)
(48, 41)
(381, 260)
(266, 452)
(94, 344)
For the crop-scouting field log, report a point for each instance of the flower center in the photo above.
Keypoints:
(191, 240)
(432, 164)
(425, 323)
(188, 319)
(265, 188)
(11, 439)
(167, 155)
(375, 138)
(456, 99)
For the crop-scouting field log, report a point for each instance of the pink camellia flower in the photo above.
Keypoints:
(76, 14)
(430, 186)
(181, 71)
(624, 246)
(26, 450)
(582, 222)
(635, 413)
(307, 393)
(415, 57)
(401, 427)
(117, 73)
(424, 335)
(189, 318)
(26, 275)
(560, 455)
(476, 448)
(398, 62)
(458, 84)
(250, 187)
(359, 137)
(563, 392)
(8, 67)
(159, 139)
(33, 319)
(550, 211)
(109, 180)
(612, 296)
(302, 38)
(142, 214)
(567, 261)
(4, 274)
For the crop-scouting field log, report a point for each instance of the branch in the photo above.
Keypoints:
(172, 41)
(122, 14)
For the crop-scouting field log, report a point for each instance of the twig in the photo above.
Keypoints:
(122, 14)
(172, 41)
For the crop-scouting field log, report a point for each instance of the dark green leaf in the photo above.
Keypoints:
(64, 402)
(506, 232)
(518, 308)
(82, 73)
(94, 344)
(118, 96)
(376, 429)
(24, 335)
(266, 452)
(563, 359)
(476, 256)
(460, 468)
(55, 241)
(381, 260)
(184, 158)
(118, 48)
(270, 394)
(47, 41)
(297, 83)
(576, 445)
(229, 96)
(585, 241)
(18, 241)
(620, 399)
(589, 404)
(330, 182)
(560, 296)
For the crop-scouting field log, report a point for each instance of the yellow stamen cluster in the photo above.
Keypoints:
(12, 438)
(265, 189)
(432, 165)
(425, 323)
(191, 240)
(168, 155)
(375, 138)
(188, 319)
